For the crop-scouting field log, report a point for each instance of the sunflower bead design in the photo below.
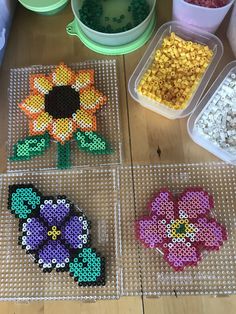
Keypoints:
(181, 228)
(56, 234)
(62, 107)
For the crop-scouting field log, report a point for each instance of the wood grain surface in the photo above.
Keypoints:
(146, 136)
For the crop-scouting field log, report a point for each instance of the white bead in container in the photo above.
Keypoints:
(212, 124)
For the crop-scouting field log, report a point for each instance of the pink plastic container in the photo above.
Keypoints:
(207, 19)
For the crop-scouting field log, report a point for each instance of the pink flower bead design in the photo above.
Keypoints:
(181, 228)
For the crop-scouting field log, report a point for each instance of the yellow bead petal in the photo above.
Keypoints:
(84, 79)
(63, 75)
(41, 84)
(85, 121)
(91, 99)
(62, 129)
(33, 105)
(40, 124)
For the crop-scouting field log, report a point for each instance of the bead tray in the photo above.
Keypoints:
(108, 124)
(101, 208)
(215, 274)
(121, 198)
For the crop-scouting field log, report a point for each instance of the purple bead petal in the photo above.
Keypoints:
(75, 232)
(54, 252)
(54, 212)
(36, 233)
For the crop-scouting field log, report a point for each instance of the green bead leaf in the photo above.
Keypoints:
(31, 146)
(88, 268)
(23, 199)
(92, 142)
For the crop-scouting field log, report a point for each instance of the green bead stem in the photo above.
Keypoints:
(63, 155)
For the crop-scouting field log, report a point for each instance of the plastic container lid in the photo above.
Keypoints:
(199, 110)
(74, 29)
(189, 33)
(43, 5)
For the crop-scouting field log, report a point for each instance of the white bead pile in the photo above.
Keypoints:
(217, 122)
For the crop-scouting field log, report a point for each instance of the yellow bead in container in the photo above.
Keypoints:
(175, 70)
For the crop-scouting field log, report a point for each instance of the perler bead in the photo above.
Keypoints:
(56, 234)
(175, 72)
(60, 104)
(181, 228)
(209, 3)
(31, 146)
(86, 268)
(92, 13)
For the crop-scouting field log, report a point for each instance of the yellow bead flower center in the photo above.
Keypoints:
(54, 233)
(181, 228)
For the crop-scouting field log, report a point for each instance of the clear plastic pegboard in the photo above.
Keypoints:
(144, 270)
(108, 124)
(113, 198)
(95, 191)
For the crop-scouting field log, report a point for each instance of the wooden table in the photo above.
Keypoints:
(147, 137)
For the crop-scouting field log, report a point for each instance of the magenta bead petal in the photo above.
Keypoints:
(149, 232)
(180, 255)
(210, 233)
(195, 203)
(163, 205)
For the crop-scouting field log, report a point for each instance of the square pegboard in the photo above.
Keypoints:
(95, 191)
(144, 270)
(108, 124)
(113, 198)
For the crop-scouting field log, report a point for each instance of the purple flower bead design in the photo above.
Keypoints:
(54, 233)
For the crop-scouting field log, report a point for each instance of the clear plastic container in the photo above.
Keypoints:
(188, 33)
(231, 33)
(197, 113)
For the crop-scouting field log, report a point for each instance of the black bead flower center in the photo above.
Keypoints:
(62, 102)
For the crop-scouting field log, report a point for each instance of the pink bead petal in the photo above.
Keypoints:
(210, 233)
(180, 255)
(195, 203)
(149, 232)
(163, 205)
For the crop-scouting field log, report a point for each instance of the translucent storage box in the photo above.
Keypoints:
(189, 34)
(223, 88)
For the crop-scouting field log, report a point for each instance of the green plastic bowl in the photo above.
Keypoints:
(46, 7)
(114, 39)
